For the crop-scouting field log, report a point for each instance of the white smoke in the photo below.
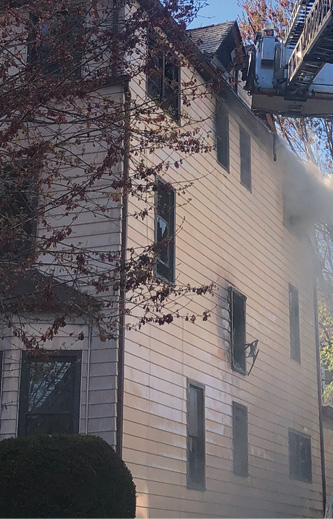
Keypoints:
(307, 193)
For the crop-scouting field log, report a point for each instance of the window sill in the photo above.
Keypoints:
(238, 369)
(249, 189)
(226, 169)
(194, 486)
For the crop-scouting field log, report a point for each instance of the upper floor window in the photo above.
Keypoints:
(222, 136)
(55, 45)
(238, 330)
(295, 347)
(18, 204)
(245, 158)
(163, 81)
(300, 463)
(50, 393)
(165, 230)
(195, 436)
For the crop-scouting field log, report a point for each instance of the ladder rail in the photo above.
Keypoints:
(317, 18)
(296, 23)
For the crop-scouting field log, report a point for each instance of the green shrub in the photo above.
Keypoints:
(63, 476)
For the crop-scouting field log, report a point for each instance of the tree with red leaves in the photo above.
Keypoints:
(72, 139)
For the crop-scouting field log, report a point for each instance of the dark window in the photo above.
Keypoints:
(165, 230)
(245, 156)
(240, 439)
(295, 349)
(163, 80)
(18, 204)
(55, 45)
(238, 330)
(222, 137)
(1, 369)
(300, 464)
(195, 436)
(50, 393)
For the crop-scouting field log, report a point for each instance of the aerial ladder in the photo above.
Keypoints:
(295, 77)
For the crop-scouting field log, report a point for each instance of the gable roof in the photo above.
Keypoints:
(209, 39)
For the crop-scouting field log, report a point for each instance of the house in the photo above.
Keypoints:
(217, 417)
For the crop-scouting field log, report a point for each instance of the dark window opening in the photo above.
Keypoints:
(300, 463)
(238, 330)
(245, 156)
(163, 82)
(295, 347)
(240, 439)
(195, 436)
(222, 137)
(165, 231)
(55, 45)
(50, 393)
(18, 205)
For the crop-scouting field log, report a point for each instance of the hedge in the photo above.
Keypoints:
(63, 476)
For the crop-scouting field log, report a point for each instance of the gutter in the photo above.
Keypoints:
(320, 404)
(122, 284)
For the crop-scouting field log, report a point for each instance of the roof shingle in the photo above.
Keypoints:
(208, 39)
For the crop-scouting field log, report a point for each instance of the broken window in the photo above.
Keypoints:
(238, 330)
(195, 436)
(245, 157)
(295, 347)
(50, 393)
(163, 80)
(240, 439)
(300, 463)
(222, 136)
(165, 231)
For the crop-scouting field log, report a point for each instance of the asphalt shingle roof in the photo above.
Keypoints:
(208, 39)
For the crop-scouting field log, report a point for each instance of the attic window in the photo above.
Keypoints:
(163, 79)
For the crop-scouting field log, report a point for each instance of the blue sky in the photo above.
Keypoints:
(217, 11)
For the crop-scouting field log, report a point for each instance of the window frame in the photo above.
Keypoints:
(294, 324)
(46, 356)
(245, 148)
(202, 437)
(236, 460)
(240, 368)
(171, 247)
(220, 110)
(35, 54)
(162, 98)
(297, 473)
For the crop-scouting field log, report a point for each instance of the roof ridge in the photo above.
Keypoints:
(209, 26)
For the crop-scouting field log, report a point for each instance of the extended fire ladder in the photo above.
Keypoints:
(311, 31)
(295, 77)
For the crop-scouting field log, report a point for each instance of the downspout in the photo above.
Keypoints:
(321, 431)
(88, 374)
(122, 289)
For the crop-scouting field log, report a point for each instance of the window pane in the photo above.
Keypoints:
(165, 230)
(245, 152)
(196, 437)
(238, 338)
(49, 397)
(50, 387)
(300, 463)
(240, 439)
(222, 137)
(295, 351)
